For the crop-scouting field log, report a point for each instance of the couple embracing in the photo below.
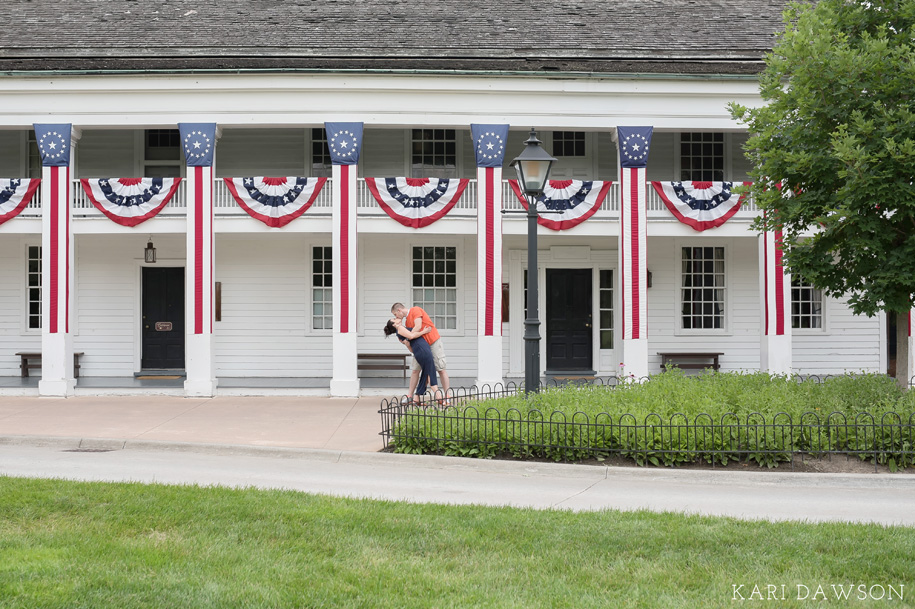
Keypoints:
(415, 329)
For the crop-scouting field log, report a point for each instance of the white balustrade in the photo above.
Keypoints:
(225, 204)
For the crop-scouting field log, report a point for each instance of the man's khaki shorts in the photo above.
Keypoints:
(438, 356)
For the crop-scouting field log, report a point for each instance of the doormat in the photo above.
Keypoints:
(158, 377)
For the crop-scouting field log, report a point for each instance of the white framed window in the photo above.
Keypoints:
(34, 157)
(33, 287)
(322, 283)
(569, 144)
(702, 157)
(703, 288)
(434, 153)
(162, 153)
(806, 305)
(605, 311)
(435, 283)
(321, 166)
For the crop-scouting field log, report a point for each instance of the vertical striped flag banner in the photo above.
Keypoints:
(634, 143)
(775, 292)
(55, 142)
(489, 149)
(199, 143)
(344, 141)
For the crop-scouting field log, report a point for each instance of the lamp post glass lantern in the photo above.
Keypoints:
(533, 167)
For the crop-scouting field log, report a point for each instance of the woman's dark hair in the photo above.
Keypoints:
(389, 329)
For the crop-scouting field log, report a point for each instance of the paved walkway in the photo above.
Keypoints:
(298, 422)
(329, 445)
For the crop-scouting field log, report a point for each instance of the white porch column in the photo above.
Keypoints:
(775, 292)
(634, 143)
(489, 147)
(199, 142)
(55, 144)
(344, 141)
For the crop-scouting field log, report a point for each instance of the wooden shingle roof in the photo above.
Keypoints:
(602, 36)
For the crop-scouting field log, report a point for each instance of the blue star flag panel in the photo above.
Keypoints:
(634, 143)
(344, 141)
(489, 144)
(199, 142)
(54, 144)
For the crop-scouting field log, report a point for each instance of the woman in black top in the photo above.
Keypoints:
(421, 350)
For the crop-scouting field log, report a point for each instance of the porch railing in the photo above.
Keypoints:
(225, 204)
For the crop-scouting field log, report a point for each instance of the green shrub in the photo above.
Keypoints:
(676, 419)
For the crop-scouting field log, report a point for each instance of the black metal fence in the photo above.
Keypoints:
(462, 425)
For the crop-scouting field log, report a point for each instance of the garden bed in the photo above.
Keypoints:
(674, 419)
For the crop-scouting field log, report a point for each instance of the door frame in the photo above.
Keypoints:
(138, 308)
(558, 257)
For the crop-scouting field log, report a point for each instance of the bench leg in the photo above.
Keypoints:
(24, 367)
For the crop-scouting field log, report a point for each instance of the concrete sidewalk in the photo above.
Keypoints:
(330, 445)
(295, 422)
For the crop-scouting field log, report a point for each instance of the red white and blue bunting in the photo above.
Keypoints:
(275, 201)
(130, 201)
(416, 202)
(700, 205)
(15, 194)
(577, 201)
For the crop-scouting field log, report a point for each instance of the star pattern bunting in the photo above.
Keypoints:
(275, 201)
(15, 195)
(53, 144)
(699, 205)
(489, 144)
(344, 142)
(198, 140)
(130, 201)
(634, 144)
(416, 202)
(577, 200)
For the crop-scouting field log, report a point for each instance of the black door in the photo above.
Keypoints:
(568, 321)
(163, 318)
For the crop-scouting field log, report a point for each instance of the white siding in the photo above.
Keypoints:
(847, 343)
(661, 157)
(266, 324)
(10, 154)
(385, 278)
(384, 153)
(740, 341)
(606, 158)
(14, 336)
(263, 152)
(740, 164)
(108, 153)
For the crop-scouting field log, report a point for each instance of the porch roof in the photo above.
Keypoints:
(627, 36)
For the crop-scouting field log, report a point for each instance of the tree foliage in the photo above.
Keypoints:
(833, 149)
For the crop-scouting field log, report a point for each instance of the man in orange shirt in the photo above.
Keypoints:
(417, 319)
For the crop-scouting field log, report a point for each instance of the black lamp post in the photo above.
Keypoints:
(533, 167)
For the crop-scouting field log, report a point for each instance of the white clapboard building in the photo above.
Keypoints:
(306, 165)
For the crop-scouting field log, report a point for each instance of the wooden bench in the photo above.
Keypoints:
(690, 361)
(383, 361)
(32, 360)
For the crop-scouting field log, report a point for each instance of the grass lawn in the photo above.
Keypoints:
(98, 545)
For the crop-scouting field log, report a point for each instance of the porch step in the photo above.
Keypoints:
(174, 373)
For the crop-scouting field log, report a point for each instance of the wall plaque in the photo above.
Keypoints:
(163, 326)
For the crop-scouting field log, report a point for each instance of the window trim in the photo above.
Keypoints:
(458, 152)
(24, 289)
(309, 297)
(727, 318)
(458, 330)
(728, 148)
(143, 161)
(823, 314)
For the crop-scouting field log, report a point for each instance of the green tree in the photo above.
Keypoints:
(833, 151)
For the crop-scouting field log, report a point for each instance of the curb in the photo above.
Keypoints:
(436, 462)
